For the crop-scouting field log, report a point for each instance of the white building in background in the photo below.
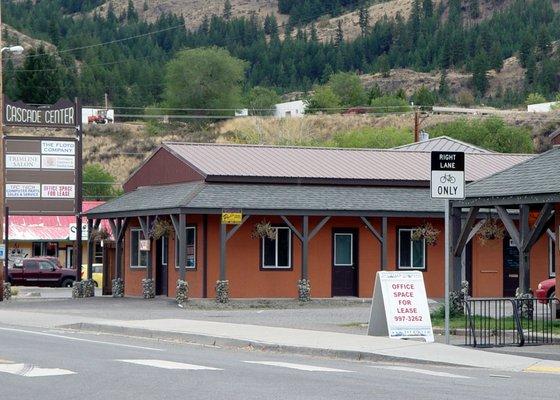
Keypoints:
(97, 116)
(290, 109)
(541, 107)
(243, 112)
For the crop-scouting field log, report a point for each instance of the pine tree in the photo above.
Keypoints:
(526, 48)
(39, 81)
(415, 21)
(544, 43)
(496, 60)
(270, 25)
(428, 9)
(454, 12)
(363, 20)
(339, 38)
(384, 66)
(480, 74)
(227, 13)
(443, 89)
(474, 9)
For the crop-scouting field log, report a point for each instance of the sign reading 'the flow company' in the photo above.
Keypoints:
(448, 175)
(399, 307)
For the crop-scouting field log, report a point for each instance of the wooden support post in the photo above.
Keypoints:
(524, 261)
(182, 243)
(90, 248)
(223, 240)
(305, 248)
(384, 244)
(145, 225)
(456, 264)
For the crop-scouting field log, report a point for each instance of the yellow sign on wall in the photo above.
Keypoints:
(232, 218)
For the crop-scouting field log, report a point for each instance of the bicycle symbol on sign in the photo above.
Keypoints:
(447, 178)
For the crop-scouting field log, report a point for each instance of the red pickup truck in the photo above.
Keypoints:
(41, 271)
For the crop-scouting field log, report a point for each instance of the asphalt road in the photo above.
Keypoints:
(38, 364)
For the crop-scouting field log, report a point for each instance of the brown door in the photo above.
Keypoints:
(511, 267)
(345, 262)
(108, 267)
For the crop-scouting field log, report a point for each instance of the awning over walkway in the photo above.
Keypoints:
(46, 228)
(212, 198)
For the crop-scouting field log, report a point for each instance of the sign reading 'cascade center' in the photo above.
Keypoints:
(59, 115)
(399, 307)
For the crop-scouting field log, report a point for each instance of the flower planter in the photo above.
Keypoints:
(148, 288)
(182, 292)
(7, 291)
(304, 290)
(117, 287)
(222, 291)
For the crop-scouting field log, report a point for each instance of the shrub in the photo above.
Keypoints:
(465, 98)
(377, 138)
(491, 133)
(387, 104)
(348, 87)
(323, 100)
(423, 97)
(535, 98)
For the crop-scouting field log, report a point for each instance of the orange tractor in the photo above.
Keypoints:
(99, 118)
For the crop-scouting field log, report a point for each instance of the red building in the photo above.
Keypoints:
(337, 215)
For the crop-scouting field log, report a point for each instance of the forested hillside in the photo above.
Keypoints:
(129, 64)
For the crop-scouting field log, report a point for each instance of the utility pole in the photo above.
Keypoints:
(106, 101)
(416, 125)
(2, 186)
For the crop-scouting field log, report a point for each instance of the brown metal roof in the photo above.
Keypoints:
(442, 143)
(251, 163)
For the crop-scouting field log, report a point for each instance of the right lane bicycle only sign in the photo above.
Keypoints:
(448, 175)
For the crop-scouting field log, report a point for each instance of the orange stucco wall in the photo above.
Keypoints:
(247, 280)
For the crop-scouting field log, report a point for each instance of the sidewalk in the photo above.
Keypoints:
(300, 341)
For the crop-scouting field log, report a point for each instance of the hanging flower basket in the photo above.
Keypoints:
(426, 232)
(100, 234)
(491, 229)
(263, 229)
(161, 228)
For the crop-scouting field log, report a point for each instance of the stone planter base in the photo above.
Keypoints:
(222, 291)
(304, 290)
(117, 286)
(89, 288)
(7, 291)
(182, 292)
(148, 288)
(78, 290)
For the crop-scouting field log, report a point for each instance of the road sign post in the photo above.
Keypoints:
(447, 182)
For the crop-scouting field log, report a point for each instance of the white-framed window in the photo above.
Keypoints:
(277, 253)
(138, 259)
(412, 253)
(343, 249)
(164, 250)
(191, 248)
(551, 258)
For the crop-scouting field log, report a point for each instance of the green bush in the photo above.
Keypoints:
(535, 98)
(388, 104)
(491, 133)
(323, 100)
(376, 138)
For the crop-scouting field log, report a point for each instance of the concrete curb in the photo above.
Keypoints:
(209, 340)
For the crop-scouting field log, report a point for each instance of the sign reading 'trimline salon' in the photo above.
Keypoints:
(62, 114)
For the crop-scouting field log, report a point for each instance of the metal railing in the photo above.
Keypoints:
(509, 322)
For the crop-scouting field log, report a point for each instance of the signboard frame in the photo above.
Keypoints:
(64, 114)
(399, 298)
(448, 166)
(46, 171)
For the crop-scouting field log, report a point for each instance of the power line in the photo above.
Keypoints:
(106, 43)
